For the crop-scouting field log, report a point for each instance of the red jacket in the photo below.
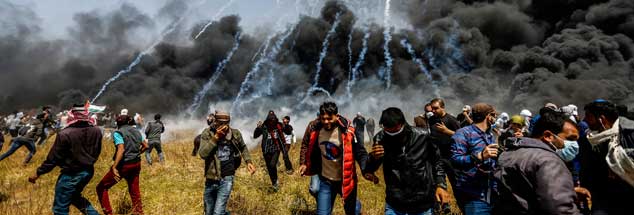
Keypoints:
(352, 150)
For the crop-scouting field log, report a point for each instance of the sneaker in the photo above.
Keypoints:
(289, 172)
(276, 187)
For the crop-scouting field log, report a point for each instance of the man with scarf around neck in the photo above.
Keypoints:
(330, 153)
(75, 151)
(272, 132)
(473, 154)
(606, 151)
(129, 145)
(412, 167)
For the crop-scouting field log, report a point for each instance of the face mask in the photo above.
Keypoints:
(395, 133)
(429, 115)
(570, 150)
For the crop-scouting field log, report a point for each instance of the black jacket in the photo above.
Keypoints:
(76, 148)
(412, 169)
(532, 179)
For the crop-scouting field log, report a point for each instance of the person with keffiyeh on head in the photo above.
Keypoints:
(75, 151)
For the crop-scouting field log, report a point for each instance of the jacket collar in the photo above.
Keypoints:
(525, 142)
(342, 124)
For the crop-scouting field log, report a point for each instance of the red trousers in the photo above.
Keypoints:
(130, 172)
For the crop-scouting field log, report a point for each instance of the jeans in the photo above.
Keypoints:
(390, 211)
(313, 188)
(327, 194)
(217, 195)
(475, 207)
(359, 135)
(16, 144)
(271, 165)
(68, 192)
(130, 172)
(154, 145)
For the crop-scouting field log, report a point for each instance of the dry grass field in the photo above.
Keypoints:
(173, 187)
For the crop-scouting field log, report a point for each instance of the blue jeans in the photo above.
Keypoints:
(68, 192)
(391, 211)
(15, 145)
(154, 145)
(313, 188)
(216, 195)
(327, 194)
(476, 207)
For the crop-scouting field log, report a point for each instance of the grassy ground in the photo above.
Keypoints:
(173, 187)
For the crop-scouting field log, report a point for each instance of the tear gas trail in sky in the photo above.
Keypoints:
(199, 96)
(322, 55)
(215, 17)
(169, 29)
(261, 62)
(420, 64)
(360, 61)
(387, 35)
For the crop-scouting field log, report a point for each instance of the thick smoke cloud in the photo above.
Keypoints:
(514, 53)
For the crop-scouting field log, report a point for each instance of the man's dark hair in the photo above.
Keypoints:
(287, 118)
(392, 117)
(440, 102)
(123, 120)
(46, 108)
(157, 117)
(329, 108)
(552, 121)
(603, 107)
(544, 110)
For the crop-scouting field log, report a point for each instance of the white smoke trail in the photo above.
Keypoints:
(168, 30)
(386, 46)
(420, 64)
(350, 52)
(198, 98)
(322, 55)
(416, 60)
(265, 46)
(262, 61)
(360, 61)
(216, 16)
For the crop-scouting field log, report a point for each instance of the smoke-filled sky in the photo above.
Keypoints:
(514, 54)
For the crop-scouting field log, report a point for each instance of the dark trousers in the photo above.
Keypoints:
(15, 145)
(271, 165)
(130, 172)
(287, 159)
(68, 192)
(42, 137)
(360, 136)
(196, 146)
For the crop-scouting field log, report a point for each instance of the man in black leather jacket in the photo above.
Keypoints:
(413, 172)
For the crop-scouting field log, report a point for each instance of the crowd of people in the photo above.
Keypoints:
(554, 162)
